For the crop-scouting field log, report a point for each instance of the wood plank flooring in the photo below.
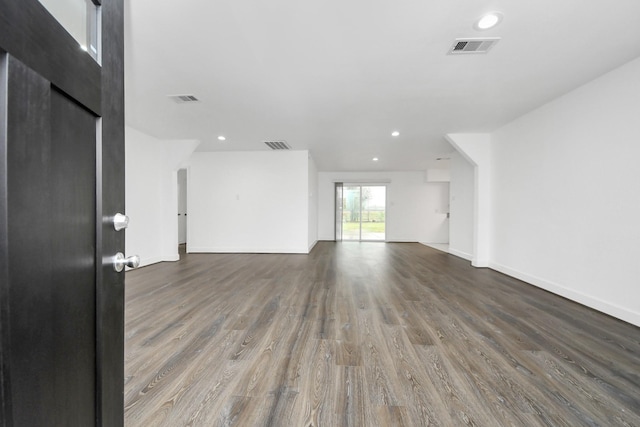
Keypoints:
(367, 334)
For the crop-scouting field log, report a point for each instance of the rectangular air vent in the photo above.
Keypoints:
(467, 46)
(278, 145)
(181, 99)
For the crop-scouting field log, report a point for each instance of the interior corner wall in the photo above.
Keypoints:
(313, 203)
(416, 210)
(151, 197)
(250, 201)
(566, 205)
(476, 148)
(461, 207)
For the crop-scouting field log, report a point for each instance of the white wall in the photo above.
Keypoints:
(416, 210)
(461, 205)
(438, 175)
(151, 195)
(249, 202)
(313, 203)
(566, 195)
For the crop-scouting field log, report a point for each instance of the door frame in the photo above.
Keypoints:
(111, 200)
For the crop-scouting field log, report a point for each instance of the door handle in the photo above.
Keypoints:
(120, 221)
(120, 262)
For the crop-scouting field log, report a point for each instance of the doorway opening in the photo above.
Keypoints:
(361, 212)
(182, 211)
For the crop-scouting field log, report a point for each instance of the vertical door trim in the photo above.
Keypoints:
(110, 292)
(360, 215)
(338, 211)
(5, 386)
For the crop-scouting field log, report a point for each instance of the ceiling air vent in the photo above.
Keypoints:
(181, 99)
(277, 145)
(467, 46)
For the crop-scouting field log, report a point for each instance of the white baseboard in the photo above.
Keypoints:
(460, 254)
(171, 258)
(150, 260)
(156, 259)
(480, 263)
(233, 250)
(584, 299)
(312, 246)
(442, 247)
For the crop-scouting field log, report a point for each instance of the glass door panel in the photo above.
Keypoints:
(373, 219)
(338, 218)
(364, 212)
(351, 213)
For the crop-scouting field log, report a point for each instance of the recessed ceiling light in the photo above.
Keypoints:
(395, 133)
(221, 138)
(375, 159)
(488, 20)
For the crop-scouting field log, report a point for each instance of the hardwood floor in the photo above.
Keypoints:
(367, 334)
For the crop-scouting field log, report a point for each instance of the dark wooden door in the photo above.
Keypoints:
(61, 165)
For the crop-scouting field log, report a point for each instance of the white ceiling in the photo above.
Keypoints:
(336, 77)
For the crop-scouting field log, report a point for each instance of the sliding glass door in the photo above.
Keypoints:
(363, 212)
(339, 210)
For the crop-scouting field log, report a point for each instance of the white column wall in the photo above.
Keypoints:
(249, 202)
(461, 223)
(313, 203)
(151, 196)
(476, 149)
